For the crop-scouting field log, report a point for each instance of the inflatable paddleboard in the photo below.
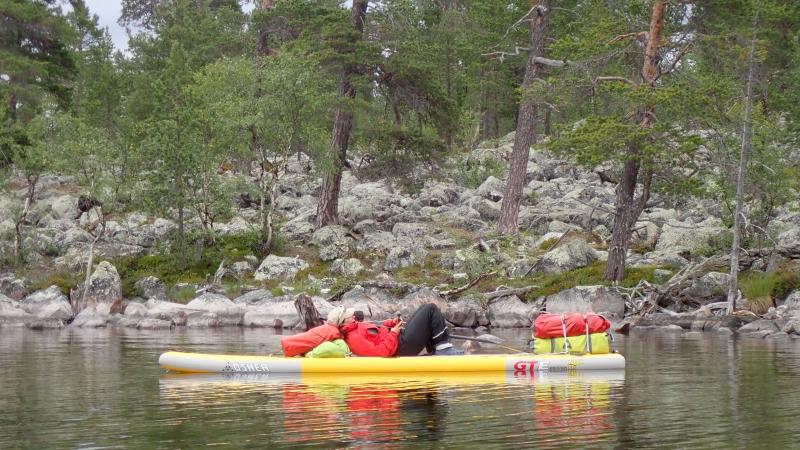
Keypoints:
(519, 364)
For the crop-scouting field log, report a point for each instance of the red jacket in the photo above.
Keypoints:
(367, 339)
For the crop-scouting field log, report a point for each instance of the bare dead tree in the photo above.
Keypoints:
(733, 288)
(30, 195)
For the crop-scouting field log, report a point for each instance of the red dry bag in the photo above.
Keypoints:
(302, 343)
(548, 326)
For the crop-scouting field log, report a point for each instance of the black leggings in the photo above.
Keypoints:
(426, 328)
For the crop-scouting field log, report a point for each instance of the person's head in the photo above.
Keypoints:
(339, 315)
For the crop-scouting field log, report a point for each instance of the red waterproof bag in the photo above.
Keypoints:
(548, 326)
(299, 344)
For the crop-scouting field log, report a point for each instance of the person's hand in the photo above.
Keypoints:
(398, 326)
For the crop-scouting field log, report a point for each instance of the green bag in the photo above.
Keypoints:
(330, 349)
(597, 344)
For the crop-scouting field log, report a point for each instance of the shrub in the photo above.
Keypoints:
(473, 174)
(64, 280)
(776, 284)
(588, 276)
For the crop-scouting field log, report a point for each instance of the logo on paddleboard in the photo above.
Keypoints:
(236, 367)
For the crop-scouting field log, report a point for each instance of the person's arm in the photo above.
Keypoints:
(389, 323)
(387, 345)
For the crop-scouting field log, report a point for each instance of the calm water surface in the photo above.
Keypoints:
(103, 389)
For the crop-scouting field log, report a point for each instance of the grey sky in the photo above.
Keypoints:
(109, 11)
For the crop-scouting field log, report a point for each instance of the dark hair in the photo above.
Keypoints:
(359, 315)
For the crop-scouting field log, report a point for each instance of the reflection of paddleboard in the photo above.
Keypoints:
(518, 365)
(211, 380)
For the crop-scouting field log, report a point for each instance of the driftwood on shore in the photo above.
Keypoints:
(646, 298)
(309, 316)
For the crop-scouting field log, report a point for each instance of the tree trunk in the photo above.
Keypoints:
(526, 124)
(12, 107)
(627, 208)
(29, 199)
(733, 287)
(489, 127)
(90, 260)
(309, 316)
(262, 44)
(626, 217)
(328, 206)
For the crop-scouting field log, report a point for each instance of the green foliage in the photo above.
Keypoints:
(182, 293)
(719, 244)
(473, 173)
(547, 243)
(777, 284)
(587, 276)
(64, 280)
(167, 266)
(429, 273)
(404, 151)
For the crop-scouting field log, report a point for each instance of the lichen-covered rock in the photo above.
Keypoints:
(301, 226)
(400, 257)
(712, 286)
(413, 300)
(333, 242)
(241, 269)
(48, 304)
(510, 312)
(11, 313)
(790, 306)
(135, 310)
(348, 267)
(217, 309)
(13, 287)
(410, 231)
(462, 217)
(256, 298)
(377, 304)
(272, 315)
(573, 255)
(598, 299)
(90, 318)
(279, 267)
(757, 326)
(380, 242)
(104, 286)
(678, 236)
(789, 242)
(151, 287)
(438, 194)
(466, 313)
(171, 312)
(491, 189)
(64, 207)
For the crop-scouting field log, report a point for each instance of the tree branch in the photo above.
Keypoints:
(510, 292)
(461, 289)
(676, 61)
(628, 35)
(620, 79)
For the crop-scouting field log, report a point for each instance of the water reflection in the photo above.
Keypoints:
(103, 389)
(378, 410)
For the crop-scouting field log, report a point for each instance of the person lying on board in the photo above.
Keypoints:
(425, 329)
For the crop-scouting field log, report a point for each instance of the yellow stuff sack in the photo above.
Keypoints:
(329, 349)
(598, 343)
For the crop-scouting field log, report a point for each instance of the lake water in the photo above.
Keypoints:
(103, 389)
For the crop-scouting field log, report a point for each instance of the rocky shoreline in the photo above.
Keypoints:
(446, 226)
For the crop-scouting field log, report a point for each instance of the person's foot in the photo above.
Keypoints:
(447, 351)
